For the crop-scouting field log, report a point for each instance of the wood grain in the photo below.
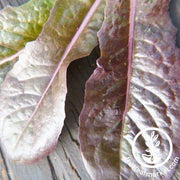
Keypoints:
(3, 168)
(65, 162)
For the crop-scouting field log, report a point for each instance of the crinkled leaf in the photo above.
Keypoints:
(105, 96)
(31, 93)
(19, 25)
(135, 86)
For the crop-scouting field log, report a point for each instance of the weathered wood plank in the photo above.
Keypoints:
(62, 166)
(3, 169)
(4, 3)
(73, 169)
(39, 171)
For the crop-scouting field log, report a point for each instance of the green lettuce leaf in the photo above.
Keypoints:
(19, 25)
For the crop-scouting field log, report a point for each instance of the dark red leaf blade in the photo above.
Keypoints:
(102, 112)
(135, 86)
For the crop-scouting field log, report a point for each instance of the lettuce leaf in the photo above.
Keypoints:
(19, 25)
(135, 86)
(34, 91)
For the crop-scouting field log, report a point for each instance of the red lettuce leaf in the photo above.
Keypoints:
(135, 86)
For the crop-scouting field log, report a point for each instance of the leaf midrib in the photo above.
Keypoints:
(83, 25)
(129, 60)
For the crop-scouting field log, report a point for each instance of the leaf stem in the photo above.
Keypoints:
(129, 60)
(130, 54)
(11, 58)
(64, 56)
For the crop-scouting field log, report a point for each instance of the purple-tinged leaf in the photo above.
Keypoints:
(105, 96)
(135, 86)
(33, 93)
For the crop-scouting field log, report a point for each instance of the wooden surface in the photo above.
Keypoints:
(65, 162)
